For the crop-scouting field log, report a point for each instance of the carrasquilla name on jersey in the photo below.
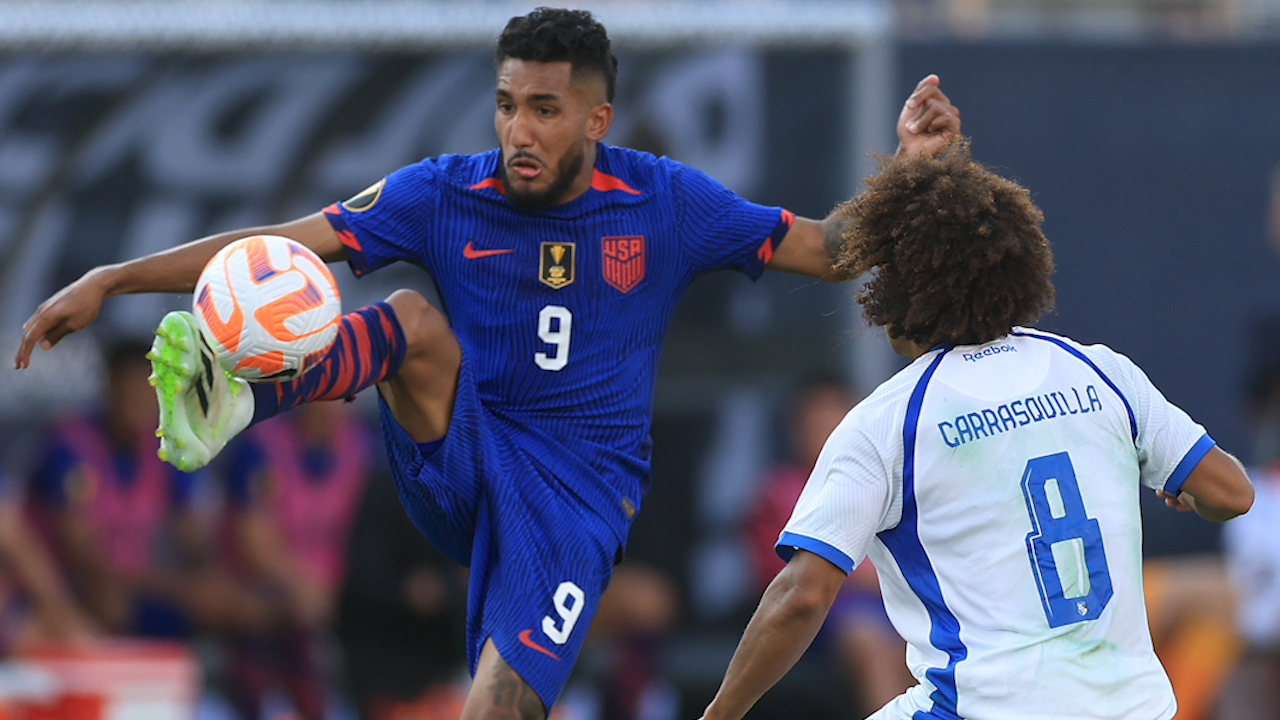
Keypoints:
(989, 421)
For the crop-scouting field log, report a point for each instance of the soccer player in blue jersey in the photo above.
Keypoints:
(518, 426)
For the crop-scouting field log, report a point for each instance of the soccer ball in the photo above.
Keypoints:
(268, 307)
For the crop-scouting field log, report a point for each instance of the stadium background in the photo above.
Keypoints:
(1144, 130)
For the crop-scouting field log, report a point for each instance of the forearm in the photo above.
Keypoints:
(170, 271)
(1207, 511)
(1217, 488)
(176, 270)
(780, 631)
(812, 248)
(833, 240)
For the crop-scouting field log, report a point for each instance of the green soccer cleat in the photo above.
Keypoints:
(202, 406)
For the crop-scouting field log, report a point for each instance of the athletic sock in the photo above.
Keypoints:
(369, 348)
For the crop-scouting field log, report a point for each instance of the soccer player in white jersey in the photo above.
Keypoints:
(993, 482)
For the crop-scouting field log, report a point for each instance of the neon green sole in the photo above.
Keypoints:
(173, 359)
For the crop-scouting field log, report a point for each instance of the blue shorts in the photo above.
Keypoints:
(539, 557)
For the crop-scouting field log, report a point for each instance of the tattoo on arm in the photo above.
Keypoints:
(833, 243)
(513, 699)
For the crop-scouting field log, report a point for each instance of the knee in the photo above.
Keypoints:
(424, 327)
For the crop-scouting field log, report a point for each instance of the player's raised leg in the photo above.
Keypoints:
(403, 341)
(403, 344)
(421, 393)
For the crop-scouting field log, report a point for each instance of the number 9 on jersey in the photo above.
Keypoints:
(555, 323)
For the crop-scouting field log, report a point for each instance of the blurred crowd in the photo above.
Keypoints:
(291, 570)
(247, 560)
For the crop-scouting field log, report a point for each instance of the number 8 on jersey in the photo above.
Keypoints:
(1065, 544)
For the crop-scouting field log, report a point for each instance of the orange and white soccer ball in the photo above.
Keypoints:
(268, 307)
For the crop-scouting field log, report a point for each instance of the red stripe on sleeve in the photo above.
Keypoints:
(604, 183)
(765, 253)
(489, 182)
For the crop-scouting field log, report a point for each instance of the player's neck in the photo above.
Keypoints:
(582, 183)
(906, 348)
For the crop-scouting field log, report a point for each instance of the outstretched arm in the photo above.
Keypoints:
(75, 306)
(1217, 488)
(927, 124)
(792, 610)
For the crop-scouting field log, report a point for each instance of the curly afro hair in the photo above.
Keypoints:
(557, 35)
(957, 250)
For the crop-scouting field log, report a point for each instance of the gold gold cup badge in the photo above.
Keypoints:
(557, 264)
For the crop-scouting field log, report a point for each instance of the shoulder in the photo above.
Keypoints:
(634, 172)
(1101, 357)
(686, 178)
(879, 418)
(466, 170)
(1064, 342)
(449, 169)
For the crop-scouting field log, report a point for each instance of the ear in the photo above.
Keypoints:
(599, 118)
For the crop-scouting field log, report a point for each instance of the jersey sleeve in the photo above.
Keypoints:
(1169, 442)
(390, 220)
(719, 229)
(845, 503)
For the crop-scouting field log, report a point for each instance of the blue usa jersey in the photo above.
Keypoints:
(561, 312)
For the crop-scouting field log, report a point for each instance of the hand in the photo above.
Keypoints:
(71, 309)
(928, 121)
(1182, 503)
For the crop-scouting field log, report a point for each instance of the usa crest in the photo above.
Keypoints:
(556, 268)
(622, 261)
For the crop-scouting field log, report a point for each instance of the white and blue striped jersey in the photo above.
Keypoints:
(995, 488)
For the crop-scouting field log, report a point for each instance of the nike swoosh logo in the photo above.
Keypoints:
(524, 638)
(471, 253)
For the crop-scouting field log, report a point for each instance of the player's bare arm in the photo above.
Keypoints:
(1217, 489)
(789, 616)
(927, 123)
(174, 270)
(811, 248)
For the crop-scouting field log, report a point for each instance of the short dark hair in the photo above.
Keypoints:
(558, 35)
(958, 252)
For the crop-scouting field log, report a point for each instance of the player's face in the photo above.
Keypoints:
(548, 122)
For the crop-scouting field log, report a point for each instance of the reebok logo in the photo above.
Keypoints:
(988, 352)
(471, 253)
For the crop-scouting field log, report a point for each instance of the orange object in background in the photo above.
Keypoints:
(140, 679)
(64, 707)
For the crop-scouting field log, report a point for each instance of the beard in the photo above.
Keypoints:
(566, 172)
